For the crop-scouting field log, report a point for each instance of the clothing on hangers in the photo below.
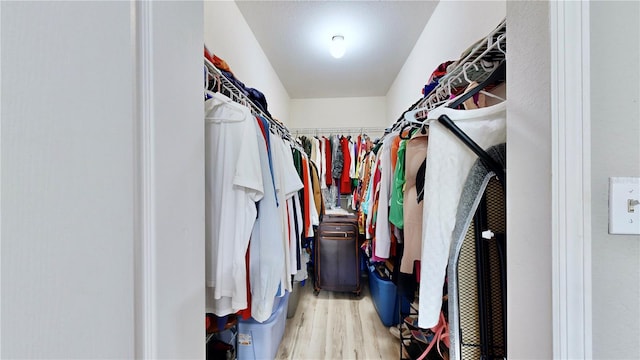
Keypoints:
(382, 229)
(416, 153)
(266, 265)
(447, 166)
(259, 237)
(232, 169)
(345, 178)
(396, 202)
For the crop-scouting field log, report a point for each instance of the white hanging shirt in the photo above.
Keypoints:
(315, 152)
(233, 182)
(448, 164)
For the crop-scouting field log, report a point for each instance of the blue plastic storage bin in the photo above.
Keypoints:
(261, 340)
(385, 298)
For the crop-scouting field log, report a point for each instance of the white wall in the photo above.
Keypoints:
(176, 182)
(529, 248)
(339, 112)
(615, 151)
(227, 34)
(67, 181)
(78, 165)
(452, 28)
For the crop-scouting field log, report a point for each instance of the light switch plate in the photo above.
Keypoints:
(624, 205)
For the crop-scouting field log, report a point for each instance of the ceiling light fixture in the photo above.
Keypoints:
(337, 47)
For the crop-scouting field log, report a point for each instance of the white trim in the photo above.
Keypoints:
(0, 182)
(571, 179)
(145, 254)
(587, 320)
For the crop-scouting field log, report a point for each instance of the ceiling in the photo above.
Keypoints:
(295, 36)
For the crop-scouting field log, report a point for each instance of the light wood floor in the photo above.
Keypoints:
(337, 326)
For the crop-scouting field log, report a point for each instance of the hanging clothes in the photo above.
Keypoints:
(234, 184)
(287, 184)
(353, 155)
(266, 264)
(447, 166)
(315, 153)
(415, 154)
(322, 167)
(317, 191)
(337, 159)
(382, 229)
(367, 161)
(345, 178)
(396, 203)
(311, 213)
(328, 161)
(255, 218)
(369, 169)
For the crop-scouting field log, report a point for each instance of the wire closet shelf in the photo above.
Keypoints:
(477, 65)
(238, 96)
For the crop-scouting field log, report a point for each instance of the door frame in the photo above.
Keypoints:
(571, 180)
(169, 248)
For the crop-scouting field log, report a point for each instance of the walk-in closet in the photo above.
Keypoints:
(242, 179)
(389, 241)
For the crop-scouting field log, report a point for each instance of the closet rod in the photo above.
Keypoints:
(338, 131)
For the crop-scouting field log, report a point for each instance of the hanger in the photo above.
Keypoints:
(215, 94)
(499, 40)
(237, 96)
(410, 121)
(410, 116)
(432, 102)
(498, 73)
(207, 74)
(486, 93)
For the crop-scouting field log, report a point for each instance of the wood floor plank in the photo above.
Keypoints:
(335, 325)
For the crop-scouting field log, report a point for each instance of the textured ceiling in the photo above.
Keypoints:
(295, 36)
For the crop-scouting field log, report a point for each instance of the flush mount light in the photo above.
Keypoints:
(337, 47)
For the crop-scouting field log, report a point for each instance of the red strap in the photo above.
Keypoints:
(441, 333)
